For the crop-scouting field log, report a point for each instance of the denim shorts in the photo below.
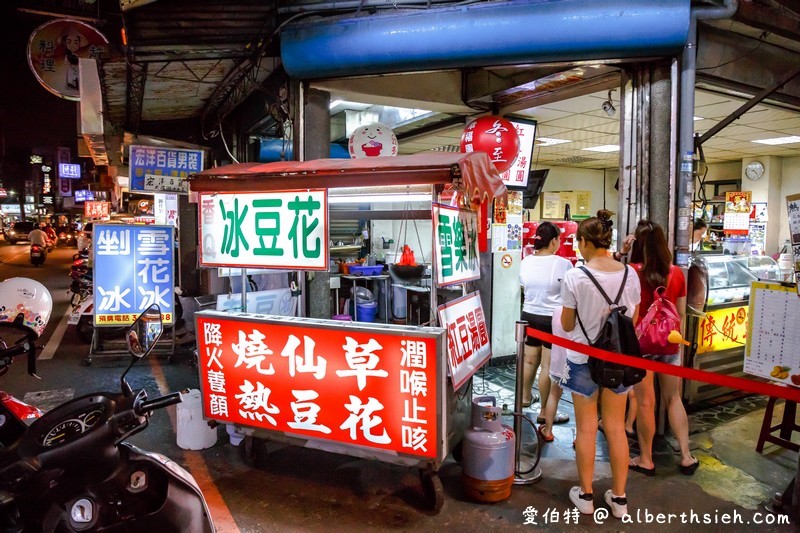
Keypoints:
(578, 379)
(671, 359)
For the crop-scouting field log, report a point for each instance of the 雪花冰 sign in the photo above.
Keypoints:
(456, 247)
(374, 389)
(133, 269)
(468, 346)
(283, 230)
(162, 169)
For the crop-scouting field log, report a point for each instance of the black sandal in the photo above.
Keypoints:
(688, 470)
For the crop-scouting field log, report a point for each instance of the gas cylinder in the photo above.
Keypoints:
(488, 453)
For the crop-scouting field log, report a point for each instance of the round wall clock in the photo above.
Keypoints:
(754, 170)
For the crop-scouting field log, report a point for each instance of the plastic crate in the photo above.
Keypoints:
(363, 270)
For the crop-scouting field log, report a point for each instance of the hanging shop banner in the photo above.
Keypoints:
(736, 219)
(271, 302)
(65, 188)
(69, 171)
(54, 49)
(517, 175)
(163, 169)
(375, 389)
(468, 346)
(96, 209)
(793, 210)
(456, 250)
(165, 209)
(285, 230)
(722, 329)
(133, 269)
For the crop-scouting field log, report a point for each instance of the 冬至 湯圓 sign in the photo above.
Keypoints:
(378, 389)
(281, 230)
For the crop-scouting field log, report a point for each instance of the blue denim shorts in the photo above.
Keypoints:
(578, 379)
(671, 359)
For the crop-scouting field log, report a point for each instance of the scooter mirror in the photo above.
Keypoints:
(145, 332)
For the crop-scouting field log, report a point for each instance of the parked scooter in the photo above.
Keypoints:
(71, 470)
(24, 312)
(38, 255)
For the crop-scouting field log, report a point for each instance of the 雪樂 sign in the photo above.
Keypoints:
(375, 389)
(283, 230)
(133, 269)
(456, 247)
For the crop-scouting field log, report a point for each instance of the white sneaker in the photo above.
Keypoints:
(583, 501)
(618, 504)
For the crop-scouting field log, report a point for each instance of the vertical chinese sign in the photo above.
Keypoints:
(282, 230)
(517, 175)
(163, 169)
(133, 269)
(456, 247)
(468, 346)
(380, 390)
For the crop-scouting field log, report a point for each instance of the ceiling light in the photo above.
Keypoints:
(699, 118)
(378, 198)
(779, 140)
(335, 103)
(608, 105)
(603, 148)
(549, 141)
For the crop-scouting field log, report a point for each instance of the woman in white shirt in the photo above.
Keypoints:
(540, 275)
(582, 300)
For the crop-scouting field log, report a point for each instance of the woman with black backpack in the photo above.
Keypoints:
(585, 306)
(652, 259)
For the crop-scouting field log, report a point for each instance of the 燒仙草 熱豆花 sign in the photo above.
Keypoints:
(456, 246)
(279, 230)
(162, 169)
(133, 269)
(380, 390)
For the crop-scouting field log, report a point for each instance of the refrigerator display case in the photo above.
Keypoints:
(718, 295)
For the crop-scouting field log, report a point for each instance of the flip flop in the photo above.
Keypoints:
(561, 418)
(631, 435)
(649, 472)
(545, 438)
(688, 470)
(534, 399)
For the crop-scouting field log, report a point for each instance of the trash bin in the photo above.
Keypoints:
(193, 430)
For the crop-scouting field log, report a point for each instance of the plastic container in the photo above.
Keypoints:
(343, 318)
(366, 312)
(193, 431)
(235, 437)
(366, 270)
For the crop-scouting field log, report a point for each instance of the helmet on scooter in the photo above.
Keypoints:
(26, 302)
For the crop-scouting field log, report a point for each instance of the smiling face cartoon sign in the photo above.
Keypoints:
(372, 140)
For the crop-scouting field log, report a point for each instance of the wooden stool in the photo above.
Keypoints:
(786, 427)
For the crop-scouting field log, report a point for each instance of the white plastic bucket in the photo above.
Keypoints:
(193, 430)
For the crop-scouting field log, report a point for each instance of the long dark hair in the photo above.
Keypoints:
(597, 230)
(545, 233)
(651, 250)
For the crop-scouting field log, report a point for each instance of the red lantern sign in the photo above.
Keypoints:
(495, 136)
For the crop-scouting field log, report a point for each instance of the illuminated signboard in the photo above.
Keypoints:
(162, 169)
(69, 170)
(133, 269)
(377, 389)
(517, 175)
(468, 346)
(722, 329)
(456, 248)
(265, 230)
(82, 195)
(96, 209)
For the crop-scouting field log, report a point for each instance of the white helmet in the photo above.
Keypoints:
(26, 297)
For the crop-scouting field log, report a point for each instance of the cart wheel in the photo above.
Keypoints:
(87, 361)
(251, 448)
(432, 489)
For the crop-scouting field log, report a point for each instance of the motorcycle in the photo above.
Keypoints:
(38, 255)
(72, 470)
(16, 415)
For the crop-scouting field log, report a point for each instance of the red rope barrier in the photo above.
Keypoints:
(749, 385)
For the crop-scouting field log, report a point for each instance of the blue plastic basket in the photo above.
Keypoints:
(364, 270)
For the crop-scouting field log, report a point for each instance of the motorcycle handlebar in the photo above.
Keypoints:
(158, 403)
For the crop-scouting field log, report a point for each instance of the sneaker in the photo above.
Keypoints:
(618, 504)
(582, 500)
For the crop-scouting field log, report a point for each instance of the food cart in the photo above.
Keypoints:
(380, 391)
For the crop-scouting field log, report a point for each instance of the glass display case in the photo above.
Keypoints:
(718, 293)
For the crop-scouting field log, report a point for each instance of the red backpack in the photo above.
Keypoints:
(661, 318)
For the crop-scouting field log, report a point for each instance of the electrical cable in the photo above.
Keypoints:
(225, 144)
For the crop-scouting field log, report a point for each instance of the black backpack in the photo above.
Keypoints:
(618, 335)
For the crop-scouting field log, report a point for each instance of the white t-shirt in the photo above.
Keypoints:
(578, 292)
(540, 277)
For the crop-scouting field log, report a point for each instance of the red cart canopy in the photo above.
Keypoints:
(473, 174)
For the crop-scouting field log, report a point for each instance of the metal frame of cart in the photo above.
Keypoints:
(472, 175)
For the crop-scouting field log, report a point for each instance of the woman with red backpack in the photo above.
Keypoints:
(652, 260)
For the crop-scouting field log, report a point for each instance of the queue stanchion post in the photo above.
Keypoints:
(526, 471)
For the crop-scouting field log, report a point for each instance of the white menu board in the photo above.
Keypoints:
(772, 333)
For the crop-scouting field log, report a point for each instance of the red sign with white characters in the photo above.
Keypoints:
(468, 346)
(373, 388)
(96, 209)
(495, 136)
